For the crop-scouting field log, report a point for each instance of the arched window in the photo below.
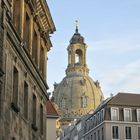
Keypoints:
(78, 57)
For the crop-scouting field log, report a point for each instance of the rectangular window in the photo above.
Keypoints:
(115, 132)
(91, 137)
(102, 115)
(34, 110)
(26, 31)
(98, 117)
(83, 101)
(138, 115)
(128, 132)
(102, 133)
(15, 86)
(138, 133)
(94, 135)
(114, 114)
(16, 14)
(98, 134)
(25, 100)
(42, 60)
(34, 46)
(94, 120)
(127, 114)
(41, 119)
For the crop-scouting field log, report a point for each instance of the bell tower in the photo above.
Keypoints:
(77, 54)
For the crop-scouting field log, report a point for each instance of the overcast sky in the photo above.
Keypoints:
(111, 29)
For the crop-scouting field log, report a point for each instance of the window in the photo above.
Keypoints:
(16, 14)
(26, 31)
(102, 115)
(34, 110)
(91, 137)
(94, 118)
(34, 47)
(98, 134)
(88, 125)
(15, 86)
(83, 101)
(128, 132)
(41, 119)
(98, 117)
(78, 56)
(138, 133)
(102, 133)
(62, 103)
(138, 115)
(94, 135)
(115, 132)
(127, 114)
(91, 126)
(25, 100)
(114, 114)
(42, 59)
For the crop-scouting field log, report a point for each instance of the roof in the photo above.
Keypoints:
(120, 99)
(125, 99)
(51, 111)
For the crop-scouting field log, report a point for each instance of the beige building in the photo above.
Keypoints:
(25, 26)
(77, 93)
(52, 117)
(117, 118)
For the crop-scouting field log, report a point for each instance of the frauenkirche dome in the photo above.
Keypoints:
(77, 93)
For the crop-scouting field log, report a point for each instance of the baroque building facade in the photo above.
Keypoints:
(77, 93)
(25, 26)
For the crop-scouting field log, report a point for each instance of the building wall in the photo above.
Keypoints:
(16, 58)
(16, 124)
(51, 128)
(121, 127)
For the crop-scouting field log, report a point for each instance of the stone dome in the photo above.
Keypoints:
(72, 90)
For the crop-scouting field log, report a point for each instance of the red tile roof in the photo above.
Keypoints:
(51, 111)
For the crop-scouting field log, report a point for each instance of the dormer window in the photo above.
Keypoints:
(102, 115)
(114, 114)
(127, 114)
(138, 115)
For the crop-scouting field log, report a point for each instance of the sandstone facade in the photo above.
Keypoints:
(25, 26)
